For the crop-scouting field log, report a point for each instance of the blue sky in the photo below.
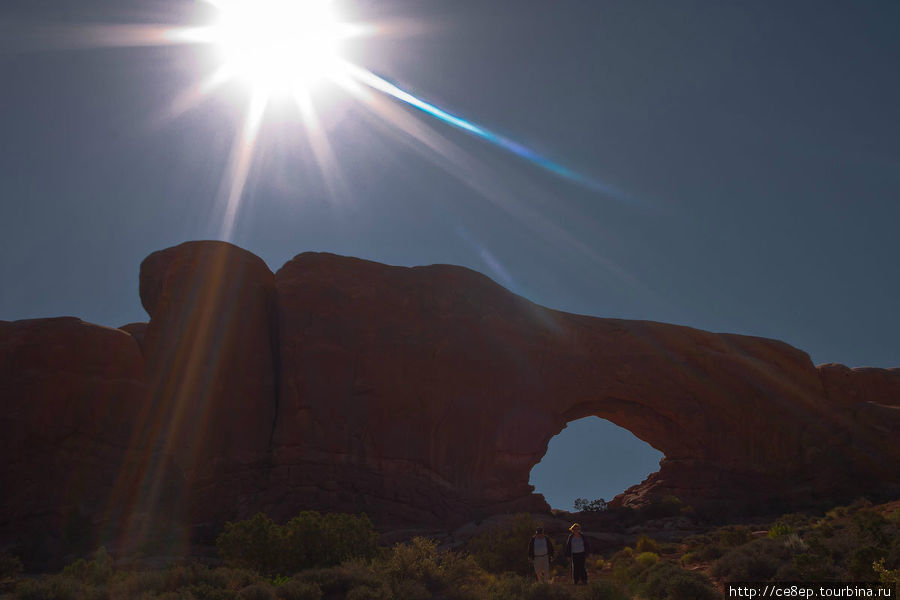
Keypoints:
(752, 147)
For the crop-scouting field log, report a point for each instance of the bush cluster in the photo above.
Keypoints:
(646, 575)
(502, 548)
(416, 570)
(851, 543)
(308, 540)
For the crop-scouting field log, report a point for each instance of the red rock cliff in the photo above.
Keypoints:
(420, 395)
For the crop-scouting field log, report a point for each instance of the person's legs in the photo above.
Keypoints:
(542, 567)
(579, 573)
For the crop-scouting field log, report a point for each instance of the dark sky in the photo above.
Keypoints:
(754, 146)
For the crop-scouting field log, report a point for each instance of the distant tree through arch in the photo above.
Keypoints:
(590, 459)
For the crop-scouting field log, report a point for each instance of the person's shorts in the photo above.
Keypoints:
(542, 566)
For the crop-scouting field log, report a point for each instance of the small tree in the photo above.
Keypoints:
(585, 505)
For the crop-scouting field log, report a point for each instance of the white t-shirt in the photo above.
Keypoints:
(577, 544)
(540, 546)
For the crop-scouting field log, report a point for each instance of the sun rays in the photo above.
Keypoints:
(276, 49)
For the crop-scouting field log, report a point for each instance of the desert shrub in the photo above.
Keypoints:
(409, 589)
(418, 560)
(735, 535)
(547, 591)
(861, 562)
(646, 543)
(605, 590)
(367, 593)
(96, 571)
(502, 548)
(131, 584)
(257, 591)
(837, 512)
(253, 543)
(647, 559)
(308, 540)
(10, 566)
(811, 567)
(779, 529)
(50, 588)
(794, 542)
(625, 569)
(341, 579)
(667, 581)
(696, 541)
(872, 526)
(507, 587)
(600, 563)
(296, 590)
(311, 539)
(885, 575)
(206, 591)
(228, 578)
(757, 561)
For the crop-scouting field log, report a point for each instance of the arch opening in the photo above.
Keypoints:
(592, 458)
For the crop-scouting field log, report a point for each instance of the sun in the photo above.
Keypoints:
(278, 46)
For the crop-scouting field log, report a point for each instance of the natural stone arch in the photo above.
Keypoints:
(422, 396)
(592, 458)
(467, 383)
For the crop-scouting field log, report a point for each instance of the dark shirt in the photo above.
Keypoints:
(587, 545)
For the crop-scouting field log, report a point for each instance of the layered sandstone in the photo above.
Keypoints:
(421, 395)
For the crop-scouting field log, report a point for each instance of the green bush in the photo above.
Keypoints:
(547, 591)
(757, 561)
(253, 544)
(257, 591)
(885, 575)
(504, 547)
(418, 560)
(605, 590)
(96, 571)
(667, 581)
(308, 540)
(10, 566)
(647, 559)
(862, 561)
(646, 544)
(50, 588)
(367, 593)
(340, 580)
(779, 529)
(736, 535)
(507, 587)
(296, 590)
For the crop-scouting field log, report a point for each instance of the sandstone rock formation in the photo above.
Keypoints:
(423, 396)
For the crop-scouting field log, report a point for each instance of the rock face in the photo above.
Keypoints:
(211, 374)
(422, 396)
(73, 394)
